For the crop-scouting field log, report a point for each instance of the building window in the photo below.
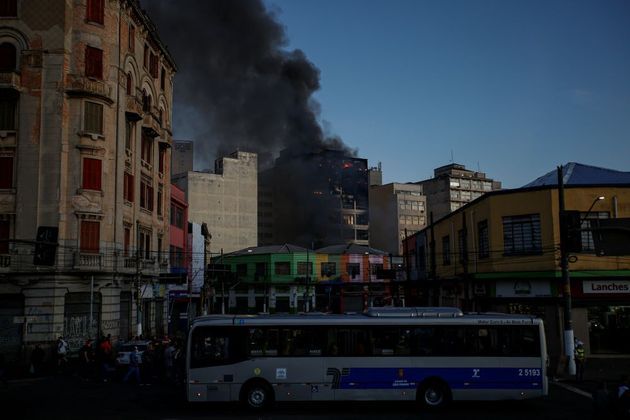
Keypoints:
(144, 244)
(354, 270)
(461, 242)
(177, 257)
(177, 216)
(241, 270)
(132, 38)
(8, 8)
(93, 62)
(329, 269)
(282, 268)
(160, 197)
(127, 242)
(147, 148)
(90, 236)
(159, 248)
(129, 134)
(93, 118)
(8, 107)
(484, 240)
(446, 250)
(146, 195)
(4, 236)
(6, 172)
(303, 266)
(153, 65)
(146, 101)
(129, 88)
(8, 57)
(128, 187)
(95, 11)
(161, 158)
(587, 224)
(92, 174)
(521, 235)
(163, 78)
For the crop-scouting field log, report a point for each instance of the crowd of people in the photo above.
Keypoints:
(163, 360)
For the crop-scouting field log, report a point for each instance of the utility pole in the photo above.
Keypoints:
(138, 297)
(564, 266)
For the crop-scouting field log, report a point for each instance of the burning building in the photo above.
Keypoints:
(314, 199)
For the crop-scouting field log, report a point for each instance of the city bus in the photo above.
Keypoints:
(430, 355)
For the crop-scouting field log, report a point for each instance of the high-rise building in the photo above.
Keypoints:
(397, 211)
(182, 157)
(452, 186)
(314, 199)
(226, 201)
(85, 131)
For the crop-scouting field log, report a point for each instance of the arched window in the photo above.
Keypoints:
(129, 84)
(146, 101)
(8, 57)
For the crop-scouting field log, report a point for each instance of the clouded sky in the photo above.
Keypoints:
(513, 88)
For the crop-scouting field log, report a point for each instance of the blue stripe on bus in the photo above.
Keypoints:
(457, 378)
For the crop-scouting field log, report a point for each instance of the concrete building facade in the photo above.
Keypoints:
(85, 129)
(225, 200)
(452, 186)
(182, 157)
(397, 211)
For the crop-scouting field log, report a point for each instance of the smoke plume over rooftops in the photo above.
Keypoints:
(238, 87)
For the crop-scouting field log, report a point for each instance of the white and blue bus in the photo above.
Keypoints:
(432, 355)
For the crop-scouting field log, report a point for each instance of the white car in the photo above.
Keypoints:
(124, 354)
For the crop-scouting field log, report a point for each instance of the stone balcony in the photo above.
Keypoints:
(88, 261)
(151, 123)
(82, 86)
(10, 80)
(133, 108)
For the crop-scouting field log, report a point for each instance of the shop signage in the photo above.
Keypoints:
(523, 288)
(606, 287)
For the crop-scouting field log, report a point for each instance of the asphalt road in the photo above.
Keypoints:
(71, 398)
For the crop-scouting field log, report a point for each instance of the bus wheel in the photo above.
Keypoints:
(433, 394)
(257, 395)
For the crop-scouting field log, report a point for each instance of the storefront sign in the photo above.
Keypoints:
(523, 288)
(606, 287)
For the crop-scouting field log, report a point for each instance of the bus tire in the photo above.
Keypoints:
(433, 394)
(256, 395)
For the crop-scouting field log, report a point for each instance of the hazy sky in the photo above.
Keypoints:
(513, 88)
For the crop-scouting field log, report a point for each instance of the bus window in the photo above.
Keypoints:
(422, 341)
(385, 340)
(215, 346)
(263, 341)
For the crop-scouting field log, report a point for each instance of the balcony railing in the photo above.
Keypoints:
(5, 262)
(79, 85)
(88, 261)
(10, 80)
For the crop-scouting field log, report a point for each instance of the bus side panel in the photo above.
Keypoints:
(209, 392)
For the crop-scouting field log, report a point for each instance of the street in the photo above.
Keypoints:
(71, 398)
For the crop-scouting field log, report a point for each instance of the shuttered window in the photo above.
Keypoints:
(6, 172)
(8, 106)
(8, 8)
(95, 11)
(128, 188)
(4, 237)
(90, 236)
(93, 62)
(132, 38)
(8, 57)
(93, 118)
(92, 174)
(127, 241)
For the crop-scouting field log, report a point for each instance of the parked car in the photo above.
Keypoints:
(124, 353)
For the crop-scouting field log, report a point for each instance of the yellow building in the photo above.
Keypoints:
(501, 252)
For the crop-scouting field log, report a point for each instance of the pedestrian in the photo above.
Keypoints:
(134, 366)
(86, 360)
(580, 359)
(169, 353)
(62, 355)
(106, 357)
(37, 360)
(148, 364)
(601, 402)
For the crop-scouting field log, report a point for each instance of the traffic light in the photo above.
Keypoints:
(46, 245)
(572, 229)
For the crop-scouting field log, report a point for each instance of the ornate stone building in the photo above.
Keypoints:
(86, 91)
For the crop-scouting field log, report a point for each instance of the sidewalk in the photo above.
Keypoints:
(598, 369)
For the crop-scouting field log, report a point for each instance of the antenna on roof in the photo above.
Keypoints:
(452, 159)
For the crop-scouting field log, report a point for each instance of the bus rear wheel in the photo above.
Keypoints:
(433, 394)
(257, 395)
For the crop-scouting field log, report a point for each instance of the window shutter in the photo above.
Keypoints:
(92, 174)
(96, 11)
(6, 172)
(4, 237)
(8, 57)
(90, 236)
(93, 62)
(150, 198)
(8, 8)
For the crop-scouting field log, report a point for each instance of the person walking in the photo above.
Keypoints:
(169, 354)
(37, 360)
(62, 355)
(580, 359)
(623, 398)
(134, 366)
(86, 360)
(601, 402)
